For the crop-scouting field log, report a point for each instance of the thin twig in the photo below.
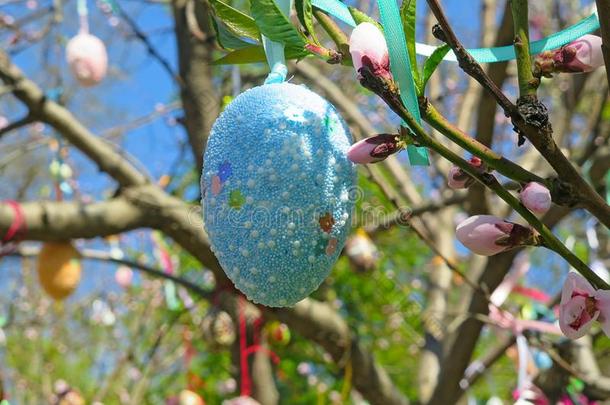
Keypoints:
(527, 83)
(22, 122)
(152, 51)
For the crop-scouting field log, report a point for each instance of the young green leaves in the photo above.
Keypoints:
(238, 23)
(241, 33)
(408, 14)
(430, 66)
(305, 15)
(275, 25)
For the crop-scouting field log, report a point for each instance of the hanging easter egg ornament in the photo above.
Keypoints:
(218, 329)
(276, 189)
(188, 397)
(85, 53)
(123, 276)
(361, 251)
(278, 333)
(59, 269)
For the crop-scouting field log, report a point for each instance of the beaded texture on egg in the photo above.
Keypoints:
(278, 191)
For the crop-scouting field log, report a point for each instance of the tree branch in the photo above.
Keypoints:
(53, 221)
(527, 83)
(523, 115)
(401, 216)
(498, 162)
(199, 99)
(42, 109)
(16, 125)
(420, 136)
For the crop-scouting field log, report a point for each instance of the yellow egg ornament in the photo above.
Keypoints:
(59, 269)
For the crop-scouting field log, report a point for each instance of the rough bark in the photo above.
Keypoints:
(199, 98)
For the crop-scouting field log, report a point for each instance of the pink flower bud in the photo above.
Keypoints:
(87, 57)
(581, 305)
(536, 198)
(368, 47)
(123, 276)
(480, 233)
(582, 55)
(487, 235)
(458, 179)
(373, 149)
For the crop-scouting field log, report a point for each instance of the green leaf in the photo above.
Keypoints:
(255, 54)
(226, 38)
(360, 17)
(408, 14)
(298, 5)
(251, 54)
(239, 23)
(275, 25)
(305, 14)
(431, 64)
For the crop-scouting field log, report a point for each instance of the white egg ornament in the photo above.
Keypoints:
(87, 57)
(277, 188)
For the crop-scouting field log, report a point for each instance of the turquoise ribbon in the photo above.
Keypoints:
(171, 299)
(481, 55)
(81, 8)
(401, 69)
(274, 51)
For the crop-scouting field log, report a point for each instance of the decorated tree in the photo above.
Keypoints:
(209, 202)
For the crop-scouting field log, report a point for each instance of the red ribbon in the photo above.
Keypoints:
(246, 383)
(245, 350)
(16, 230)
(532, 293)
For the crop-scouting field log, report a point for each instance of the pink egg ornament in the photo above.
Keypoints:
(87, 57)
(123, 276)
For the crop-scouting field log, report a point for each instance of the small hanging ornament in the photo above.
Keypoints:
(102, 314)
(123, 276)
(361, 251)
(60, 171)
(542, 360)
(59, 269)
(494, 401)
(218, 329)
(278, 333)
(85, 53)
(66, 395)
(188, 397)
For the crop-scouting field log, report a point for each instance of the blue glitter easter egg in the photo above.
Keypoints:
(278, 191)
